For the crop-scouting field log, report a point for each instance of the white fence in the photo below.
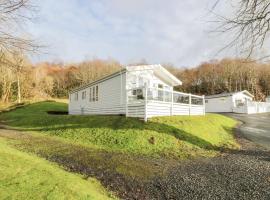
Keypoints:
(145, 102)
(258, 107)
(253, 107)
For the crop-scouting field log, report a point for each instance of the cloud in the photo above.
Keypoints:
(159, 31)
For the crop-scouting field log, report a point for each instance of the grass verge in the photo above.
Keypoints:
(25, 176)
(177, 136)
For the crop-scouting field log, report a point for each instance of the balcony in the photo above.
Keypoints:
(149, 102)
(141, 94)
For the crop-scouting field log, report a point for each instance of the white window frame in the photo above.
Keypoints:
(94, 96)
(90, 94)
(76, 96)
(97, 93)
(83, 95)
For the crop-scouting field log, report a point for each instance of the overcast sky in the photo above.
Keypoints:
(159, 31)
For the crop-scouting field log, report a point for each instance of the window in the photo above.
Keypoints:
(76, 96)
(139, 93)
(167, 87)
(239, 103)
(160, 92)
(83, 95)
(94, 91)
(97, 93)
(134, 92)
(90, 94)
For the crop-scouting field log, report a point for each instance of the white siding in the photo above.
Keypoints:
(136, 110)
(155, 108)
(158, 109)
(219, 104)
(181, 109)
(111, 98)
(241, 97)
(197, 110)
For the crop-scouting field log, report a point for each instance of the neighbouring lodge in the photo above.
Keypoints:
(236, 102)
(136, 91)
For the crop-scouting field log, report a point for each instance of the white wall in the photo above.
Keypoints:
(240, 96)
(111, 98)
(219, 104)
(258, 107)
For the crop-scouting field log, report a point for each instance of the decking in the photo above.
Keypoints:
(146, 102)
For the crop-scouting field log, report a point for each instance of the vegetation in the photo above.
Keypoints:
(248, 23)
(179, 136)
(22, 81)
(120, 152)
(25, 176)
(227, 75)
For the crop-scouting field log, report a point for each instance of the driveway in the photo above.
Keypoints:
(255, 127)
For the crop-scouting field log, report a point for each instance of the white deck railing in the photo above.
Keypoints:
(145, 95)
(140, 94)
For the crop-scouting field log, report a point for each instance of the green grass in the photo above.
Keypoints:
(179, 136)
(25, 176)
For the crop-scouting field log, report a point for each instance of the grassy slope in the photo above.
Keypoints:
(24, 176)
(178, 136)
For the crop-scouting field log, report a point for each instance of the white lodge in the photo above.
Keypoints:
(136, 91)
(237, 102)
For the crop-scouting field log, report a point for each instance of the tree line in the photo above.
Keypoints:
(21, 80)
(227, 75)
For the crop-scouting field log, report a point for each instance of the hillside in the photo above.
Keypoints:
(178, 136)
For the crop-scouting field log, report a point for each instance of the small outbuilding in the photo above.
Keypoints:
(227, 102)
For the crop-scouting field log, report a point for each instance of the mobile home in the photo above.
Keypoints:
(236, 102)
(135, 91)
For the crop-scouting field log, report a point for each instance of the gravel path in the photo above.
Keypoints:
(243, 174)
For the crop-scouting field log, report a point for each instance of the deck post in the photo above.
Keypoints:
(172, 104)
(145, 105)
(189, 103)
(126, 91)
(203, 105)
(126, 103)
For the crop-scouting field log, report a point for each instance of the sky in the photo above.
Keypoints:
(173, 31)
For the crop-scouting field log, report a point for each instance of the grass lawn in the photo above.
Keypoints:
(177, 136)
(25, 176)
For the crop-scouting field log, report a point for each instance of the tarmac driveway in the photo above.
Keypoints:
(255, 127)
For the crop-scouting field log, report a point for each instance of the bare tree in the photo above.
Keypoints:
(249, 25)
(18, 64)
(13, 14)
